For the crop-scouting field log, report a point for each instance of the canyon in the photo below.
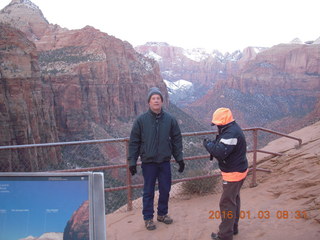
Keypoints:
(277, 87)
(68, 85)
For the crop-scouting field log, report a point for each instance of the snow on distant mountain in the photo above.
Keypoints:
(169, 74)
(198, 66)
(180, 91)
(317, 41)
(196, 54)
(201, 54)
(154, 56)
(178, 85)
(159, 44)
(259, 49)
(296, 41)
(27, 3)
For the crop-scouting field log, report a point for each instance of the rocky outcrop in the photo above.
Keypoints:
(278, 88)
(265, 86)
(26, 104)
(94, 84)
(198, 66)
(26, 16)
(97, 80)
(292, 69)
(77, 227)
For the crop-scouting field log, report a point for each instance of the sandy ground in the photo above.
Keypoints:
(284, 205)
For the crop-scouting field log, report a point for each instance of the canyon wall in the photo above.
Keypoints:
(26, 115)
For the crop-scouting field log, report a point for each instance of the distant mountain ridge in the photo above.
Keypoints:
(198, 66)
(277, 87)
(46, 236)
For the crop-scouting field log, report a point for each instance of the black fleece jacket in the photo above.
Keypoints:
(229, 148)
(155, 138)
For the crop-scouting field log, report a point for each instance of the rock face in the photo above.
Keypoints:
(27, 17)
(278, 88)
(197, 66)
(77, 227)
(97, 80)
(286, 67)
(93, 84)
(26, 104)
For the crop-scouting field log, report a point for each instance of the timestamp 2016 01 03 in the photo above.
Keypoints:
(262, 214)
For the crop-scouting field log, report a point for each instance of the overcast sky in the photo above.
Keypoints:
(226, 25)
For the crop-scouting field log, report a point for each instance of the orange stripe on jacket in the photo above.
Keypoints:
(234, 176)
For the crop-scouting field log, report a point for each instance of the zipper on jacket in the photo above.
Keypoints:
(157, 135)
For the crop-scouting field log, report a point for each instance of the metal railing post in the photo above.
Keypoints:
(129, 180)
(254, 164)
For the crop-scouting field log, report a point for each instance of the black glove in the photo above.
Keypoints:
(205, 143)
(181, 166)
(133, 170)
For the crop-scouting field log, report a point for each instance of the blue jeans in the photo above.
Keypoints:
(151, 172)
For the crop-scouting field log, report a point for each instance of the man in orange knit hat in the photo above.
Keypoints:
(229, 148)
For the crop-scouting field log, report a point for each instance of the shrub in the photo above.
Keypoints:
(201, 186)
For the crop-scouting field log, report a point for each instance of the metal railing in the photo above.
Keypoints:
(129, 186)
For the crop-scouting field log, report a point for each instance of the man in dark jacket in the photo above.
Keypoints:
(155, 137)
(229, 148)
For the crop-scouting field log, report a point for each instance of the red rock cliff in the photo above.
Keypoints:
(196, 66)
(95, 84)
(97, 80)
(26, 104)
(278, 88)
(77, 227)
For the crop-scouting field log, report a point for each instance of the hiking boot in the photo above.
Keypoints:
(165, 219)
(149, 224)
(215, 236)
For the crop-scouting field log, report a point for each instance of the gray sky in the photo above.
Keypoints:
(226, 25)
